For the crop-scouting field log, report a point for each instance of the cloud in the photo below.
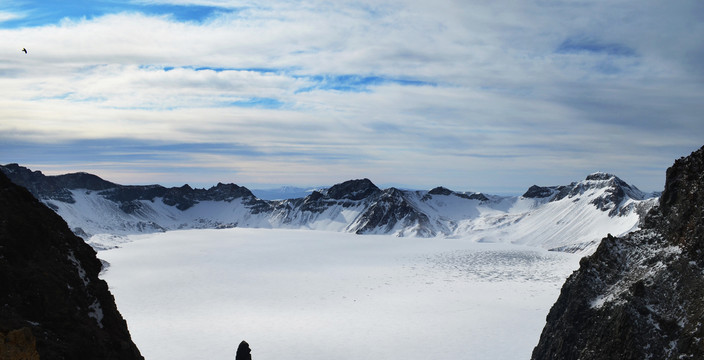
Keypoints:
(585, 44)
(8, 16)
(431, 93)
(40, 13)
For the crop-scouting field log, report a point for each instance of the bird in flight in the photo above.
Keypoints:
(25, 50)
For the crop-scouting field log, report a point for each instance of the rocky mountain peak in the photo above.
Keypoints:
(229, 192)
(611, 193)
(353, 190)
(612, 183)
(83, 180)
(601, 176)
(440, 191)
(535, 192)
(608, 192)
(391, 212)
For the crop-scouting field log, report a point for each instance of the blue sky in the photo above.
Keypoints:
(489, 96)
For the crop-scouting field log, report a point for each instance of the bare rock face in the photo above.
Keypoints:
(52, 303)
(640, 296)
(18, 344)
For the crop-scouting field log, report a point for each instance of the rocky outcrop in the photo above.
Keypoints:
(243, 351)
(536, 191)
(392, 211)
(640, 296)
(447, 192)
(52, 303)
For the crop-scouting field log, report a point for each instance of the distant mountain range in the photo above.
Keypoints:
(570, 217)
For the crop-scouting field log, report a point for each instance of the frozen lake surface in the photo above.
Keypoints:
(299, 294)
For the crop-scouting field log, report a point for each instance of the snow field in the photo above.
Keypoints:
(294, 294)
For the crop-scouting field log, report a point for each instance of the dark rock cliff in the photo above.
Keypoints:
(52, 303)
(640, 296)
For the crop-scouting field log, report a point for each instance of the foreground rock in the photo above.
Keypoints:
(52, 303)
(640, 296)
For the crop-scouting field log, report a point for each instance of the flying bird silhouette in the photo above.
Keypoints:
(25, 50)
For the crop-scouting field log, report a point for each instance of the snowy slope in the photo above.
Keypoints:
(301, 294)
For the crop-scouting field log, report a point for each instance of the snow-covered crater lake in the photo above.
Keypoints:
(300, 294)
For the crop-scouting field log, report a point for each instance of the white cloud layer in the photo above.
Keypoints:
(490, 96)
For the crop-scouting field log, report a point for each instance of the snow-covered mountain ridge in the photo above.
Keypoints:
(571, 217)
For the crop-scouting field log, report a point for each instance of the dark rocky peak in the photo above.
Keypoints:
(600, 176)
(54, 187)
(315, 202)
(391, 210)
(182, 197)
(185, 196)
(23, 176)
(393, 193)
(446, 192)
(539, 192)
(639, 296)
(614, 192)
(314, 196)
(613, 184)
(440, 191)
(353, 190)
(229, 192)
(599, 180)
(615, 189)
(40, 185)
(473, 196)
(54, 306)
(15, 171)
(82, 180)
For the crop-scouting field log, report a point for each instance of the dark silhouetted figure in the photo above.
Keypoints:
(243, 351)
(25, 50)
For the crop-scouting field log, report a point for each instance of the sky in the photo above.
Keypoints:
(490, 96)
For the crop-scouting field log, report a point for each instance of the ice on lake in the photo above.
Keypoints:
(298, 294)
